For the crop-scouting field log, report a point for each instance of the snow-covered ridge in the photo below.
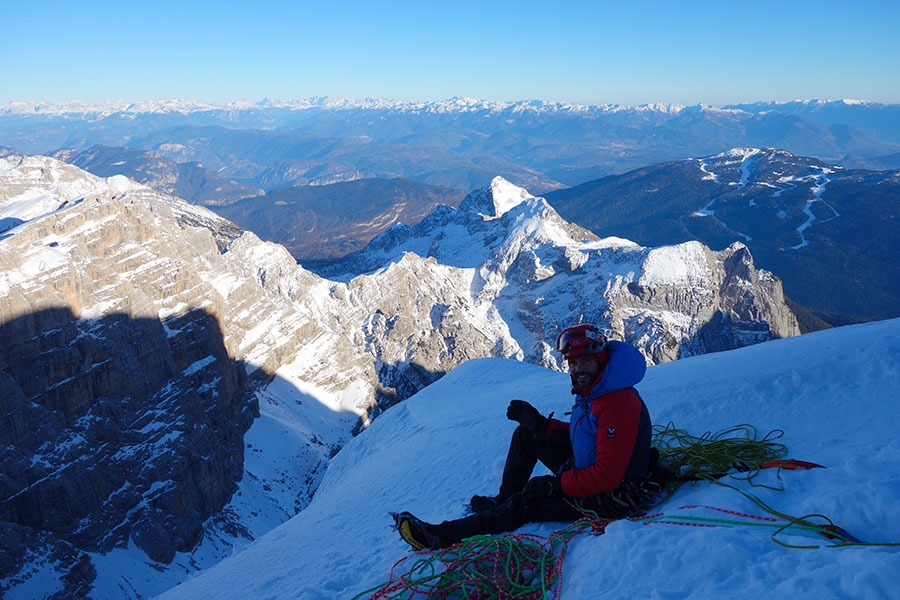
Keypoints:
(451, 105)
(109, 107)
(448, 106)
(37, 186)
(817, 102)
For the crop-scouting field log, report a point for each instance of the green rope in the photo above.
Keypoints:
(484, 567)
(710, 455)
(527, 567)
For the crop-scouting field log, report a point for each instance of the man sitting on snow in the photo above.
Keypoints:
(600, 458)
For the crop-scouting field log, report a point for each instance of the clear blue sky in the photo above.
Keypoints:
(592, 52)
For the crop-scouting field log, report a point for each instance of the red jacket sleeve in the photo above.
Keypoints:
(556, 425)
(618, 417)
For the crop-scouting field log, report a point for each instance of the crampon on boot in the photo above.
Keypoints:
(416, 532)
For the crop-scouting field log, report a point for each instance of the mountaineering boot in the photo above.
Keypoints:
(480, 504)
(416, 532)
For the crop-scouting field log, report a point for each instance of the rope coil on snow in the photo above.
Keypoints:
(482, 567)
(527, 566)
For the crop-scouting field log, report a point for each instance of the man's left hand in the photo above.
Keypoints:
(544, 486)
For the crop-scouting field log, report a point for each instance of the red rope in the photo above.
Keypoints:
(722, 510)
(485, 567)
(681, 523)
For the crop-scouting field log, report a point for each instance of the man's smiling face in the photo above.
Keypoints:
(584, 371)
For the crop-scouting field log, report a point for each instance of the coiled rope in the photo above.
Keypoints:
(709, 457)
(484, 567)
(738, 453)
(527, 567)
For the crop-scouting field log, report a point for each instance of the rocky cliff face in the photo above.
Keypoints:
(139, 334)
(119, 430)
(125, 411)
(130, 348)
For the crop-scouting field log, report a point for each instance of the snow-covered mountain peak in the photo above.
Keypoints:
(494, 223)
(506, 195)
(740, 153)
(495, 199)
(522, 261)
(521, 218)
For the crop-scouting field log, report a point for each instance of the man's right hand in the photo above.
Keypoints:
(529, 417)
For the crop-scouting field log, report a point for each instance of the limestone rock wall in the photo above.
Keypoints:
(124, 414)
(130, 347)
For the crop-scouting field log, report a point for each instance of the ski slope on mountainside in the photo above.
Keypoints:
(833, 393)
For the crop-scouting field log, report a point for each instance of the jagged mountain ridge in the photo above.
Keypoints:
(317, 355)
(455, 105)
(540, 271)
(828, 232)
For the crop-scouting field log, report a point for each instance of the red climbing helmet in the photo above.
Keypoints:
(580, 340)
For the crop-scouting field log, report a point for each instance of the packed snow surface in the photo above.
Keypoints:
(833, 393)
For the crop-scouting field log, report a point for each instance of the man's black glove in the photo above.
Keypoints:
(566, 466)
(529, 417)
(544, 486)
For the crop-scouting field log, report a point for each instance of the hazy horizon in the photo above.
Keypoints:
(592, 53)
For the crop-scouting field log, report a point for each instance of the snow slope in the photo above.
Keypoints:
(833, 393)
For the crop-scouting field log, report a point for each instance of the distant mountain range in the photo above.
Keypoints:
(878, 120)
(458, 143)
(832, 234)
(222, 155)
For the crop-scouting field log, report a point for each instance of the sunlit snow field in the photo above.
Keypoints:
(834, 393)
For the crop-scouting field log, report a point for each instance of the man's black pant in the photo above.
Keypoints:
(524, 453)
(514, 509)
